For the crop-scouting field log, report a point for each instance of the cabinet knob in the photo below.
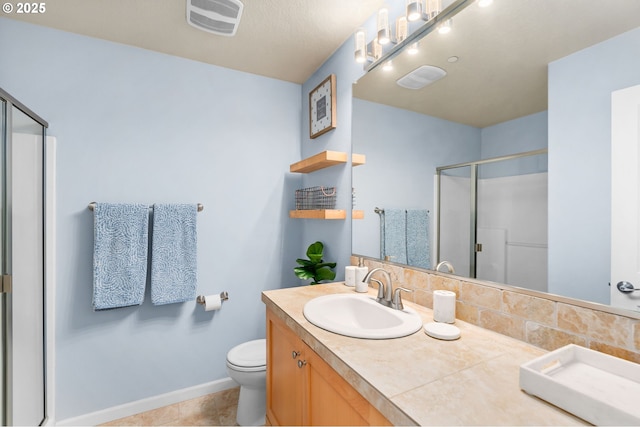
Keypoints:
(301, 363)
(295, 354)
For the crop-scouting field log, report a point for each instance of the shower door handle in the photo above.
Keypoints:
(6, 284)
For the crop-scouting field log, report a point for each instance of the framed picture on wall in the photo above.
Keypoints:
(322, 107)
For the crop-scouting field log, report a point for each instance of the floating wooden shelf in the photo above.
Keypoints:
(358, 159)
(318, 214)
(319, 161)
(357, 214)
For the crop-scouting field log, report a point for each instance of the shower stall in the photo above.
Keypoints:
(492, 219)
(22, 260)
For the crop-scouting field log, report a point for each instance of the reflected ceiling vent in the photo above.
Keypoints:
(421, 77)
(215, 16)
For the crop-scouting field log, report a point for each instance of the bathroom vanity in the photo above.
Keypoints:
(318, 377)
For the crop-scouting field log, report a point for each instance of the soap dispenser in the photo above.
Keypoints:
(361, 272)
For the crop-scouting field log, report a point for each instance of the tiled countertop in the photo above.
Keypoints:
(419, 380)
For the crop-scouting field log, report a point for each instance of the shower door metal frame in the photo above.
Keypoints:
(6, 240)
(473, 240)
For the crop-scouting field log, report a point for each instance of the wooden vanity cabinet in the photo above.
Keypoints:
(302, 389)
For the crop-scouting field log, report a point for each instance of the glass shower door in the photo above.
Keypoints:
(22, 270)
(512, 221)
(25, 237)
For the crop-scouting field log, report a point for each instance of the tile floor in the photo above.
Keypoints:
(217, 409)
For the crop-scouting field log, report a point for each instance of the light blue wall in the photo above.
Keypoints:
(335, 234)
(526, 133)
(515, 136)
(138, 126)
(580, 87)
(403, 149)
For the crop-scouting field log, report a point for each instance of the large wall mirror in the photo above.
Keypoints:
(521, 76)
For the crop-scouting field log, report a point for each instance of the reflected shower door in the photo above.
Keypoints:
(455, 215)
(511, 232)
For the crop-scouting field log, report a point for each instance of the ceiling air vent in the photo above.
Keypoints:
(215, 16)
(420, 77)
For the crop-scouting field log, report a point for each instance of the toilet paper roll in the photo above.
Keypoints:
(350, 275)
(212, 302)
(444, 306)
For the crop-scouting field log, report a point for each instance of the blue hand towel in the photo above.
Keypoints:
(119, 254)
(418, 249)
(395, 244)
(173, 254)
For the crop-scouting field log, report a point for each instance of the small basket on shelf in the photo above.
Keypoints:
(316, 198)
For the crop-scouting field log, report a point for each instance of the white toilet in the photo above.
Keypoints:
(247, 365)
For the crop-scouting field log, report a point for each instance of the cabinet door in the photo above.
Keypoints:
(333, 401)
(284, 377)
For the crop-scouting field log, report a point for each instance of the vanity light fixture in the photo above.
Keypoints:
(425, 10)
(384, 37)
(361, 46)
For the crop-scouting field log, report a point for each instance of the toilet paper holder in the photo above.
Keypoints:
(224, 295)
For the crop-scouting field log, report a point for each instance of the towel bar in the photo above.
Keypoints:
(92, 206)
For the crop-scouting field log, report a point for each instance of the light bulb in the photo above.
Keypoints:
(414, 10)
(484, 3)
(434, 7)
(413, 48)
(401, 29)
(377, 50)
(361, 48)
(388, 66)
(383, 26)
(445, 27)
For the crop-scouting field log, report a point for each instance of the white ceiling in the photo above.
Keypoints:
(283, 39)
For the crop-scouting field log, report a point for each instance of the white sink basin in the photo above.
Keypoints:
(360, 316)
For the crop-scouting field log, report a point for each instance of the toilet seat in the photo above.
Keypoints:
(250, 356)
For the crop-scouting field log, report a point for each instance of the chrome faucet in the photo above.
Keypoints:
(386, 294)
(446, 264)
(384, 289)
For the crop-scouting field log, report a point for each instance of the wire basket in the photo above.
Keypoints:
(316, 198)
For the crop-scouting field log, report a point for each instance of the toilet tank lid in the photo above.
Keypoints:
(249, 354)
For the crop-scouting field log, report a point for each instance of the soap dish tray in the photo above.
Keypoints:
(597, 387)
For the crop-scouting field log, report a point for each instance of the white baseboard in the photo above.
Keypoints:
(149, 403)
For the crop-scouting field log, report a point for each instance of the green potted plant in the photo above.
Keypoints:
(315, 268)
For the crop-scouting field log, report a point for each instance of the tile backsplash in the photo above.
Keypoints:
(543, 322)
